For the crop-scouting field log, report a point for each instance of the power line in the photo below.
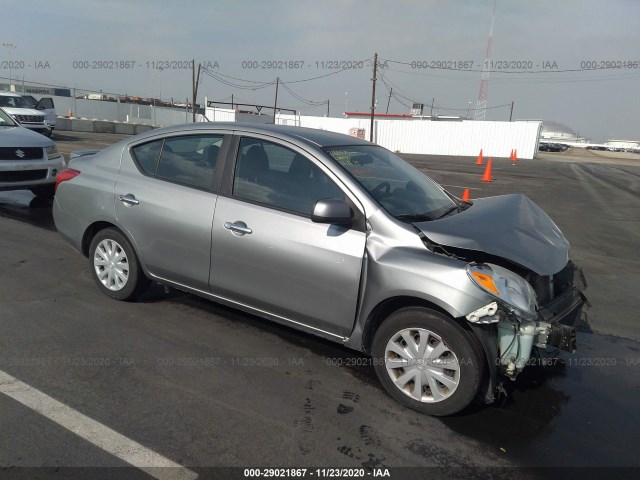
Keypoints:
(303, 100)
(237, 85)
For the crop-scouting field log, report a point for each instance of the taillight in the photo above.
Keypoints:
(66, 174)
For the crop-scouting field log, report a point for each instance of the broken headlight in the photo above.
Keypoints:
(513, 291)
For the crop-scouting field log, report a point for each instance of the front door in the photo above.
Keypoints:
(269, 255)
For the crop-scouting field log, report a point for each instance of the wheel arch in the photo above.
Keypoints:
(390, 305)
(99, 225)
(486, 334)
(91, 232)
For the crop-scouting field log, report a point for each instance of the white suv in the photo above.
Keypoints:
(44, 105)
(22, 111)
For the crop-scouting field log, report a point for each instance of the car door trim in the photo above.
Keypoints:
(249, 309)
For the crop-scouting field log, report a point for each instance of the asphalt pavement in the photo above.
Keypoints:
(195, 384)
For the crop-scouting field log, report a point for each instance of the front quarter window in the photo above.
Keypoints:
(402, 190)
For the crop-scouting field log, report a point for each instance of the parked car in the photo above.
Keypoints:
(21, 111)
(44, 105)
(335, 236)
(552, 147)
(27, 159)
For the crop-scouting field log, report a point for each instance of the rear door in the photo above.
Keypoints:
(269, 255)
(165, 200)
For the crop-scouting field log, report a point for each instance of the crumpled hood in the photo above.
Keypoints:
(508, 226)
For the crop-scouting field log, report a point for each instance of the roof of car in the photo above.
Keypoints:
(312, 136)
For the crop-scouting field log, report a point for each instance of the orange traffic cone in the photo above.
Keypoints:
(465, 195)
(487, 172)
(515, 155)
(479, 161)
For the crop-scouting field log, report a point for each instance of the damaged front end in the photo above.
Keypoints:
(533, 312)
(519, 256)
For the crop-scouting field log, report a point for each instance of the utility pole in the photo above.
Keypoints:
(373, 94)
(9, 46)
(275, 104)
(389, 100)
(193, 90)
(511, 114)
(432, 102)
(194, 84)
(232, 101)
(327, 108)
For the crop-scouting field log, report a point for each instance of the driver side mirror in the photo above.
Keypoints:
(333, 211)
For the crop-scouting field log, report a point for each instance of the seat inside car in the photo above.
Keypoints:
(210, 155)
(254, 164)
(300, 168)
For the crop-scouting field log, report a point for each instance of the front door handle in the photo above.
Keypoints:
(237, 228)
(129, 199)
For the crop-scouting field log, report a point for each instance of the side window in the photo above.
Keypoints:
(146, 156)
(274, 175)
(45, 104)
(190, 159)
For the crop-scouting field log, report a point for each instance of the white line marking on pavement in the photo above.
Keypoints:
(460, 186)
(94, 432)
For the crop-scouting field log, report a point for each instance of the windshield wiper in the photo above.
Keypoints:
(415, 217)
(452, 209)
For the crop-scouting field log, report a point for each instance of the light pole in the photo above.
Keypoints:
(346, 102)
(9, 46)
(160, 71)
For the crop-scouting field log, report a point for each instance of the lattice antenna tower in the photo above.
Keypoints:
(481, 105)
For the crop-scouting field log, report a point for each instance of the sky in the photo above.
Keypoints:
(430, 51)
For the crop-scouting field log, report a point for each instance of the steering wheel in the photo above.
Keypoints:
(382, 190)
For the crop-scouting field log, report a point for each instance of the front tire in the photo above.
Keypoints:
(427, 362)
(115, 266)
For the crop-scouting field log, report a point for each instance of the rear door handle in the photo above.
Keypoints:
(237, 228)
(129, 199)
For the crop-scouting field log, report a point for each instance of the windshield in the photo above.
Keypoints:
(29, 101)
(402, 190)
(5, 120)
(14, 102)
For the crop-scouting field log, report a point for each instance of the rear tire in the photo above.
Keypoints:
(115, 266)
(427, 362)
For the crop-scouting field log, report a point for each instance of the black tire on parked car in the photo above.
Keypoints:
(46, 191)
(427, 362)
(115, 266)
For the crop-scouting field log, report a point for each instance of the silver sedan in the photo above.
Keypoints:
(335, 236)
